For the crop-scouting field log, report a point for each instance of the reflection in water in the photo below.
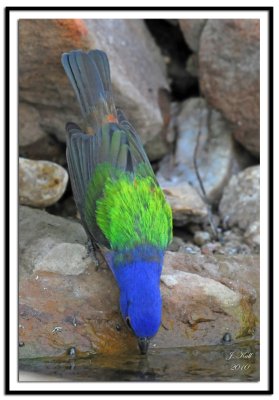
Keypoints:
(226, 362)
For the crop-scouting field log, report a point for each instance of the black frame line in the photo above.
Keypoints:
(8, 391)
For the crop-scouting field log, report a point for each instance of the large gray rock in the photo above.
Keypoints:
(138, 73)
(215, 153)
(229, 72)
(40, 233)
(240, 204)
(60, 308)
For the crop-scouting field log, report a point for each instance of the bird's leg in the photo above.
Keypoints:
(95, 253)
(92, 252)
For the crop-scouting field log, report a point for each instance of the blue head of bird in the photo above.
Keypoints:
(140, 297)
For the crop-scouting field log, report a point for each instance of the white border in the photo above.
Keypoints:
(14, 384)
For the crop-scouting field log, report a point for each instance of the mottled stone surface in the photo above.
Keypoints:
(203, 296)
(215, 151)
(41, 183)
(137, 68)
(187, 205)
(29, 125)
(229, 71)
(240, 204)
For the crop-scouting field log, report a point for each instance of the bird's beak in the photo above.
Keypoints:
(143, 345)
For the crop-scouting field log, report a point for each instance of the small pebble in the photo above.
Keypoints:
(118, 327)
(72, 351)
(211, 248)
(201, 237)
(227, 338)
(175, 244)
(189, 249)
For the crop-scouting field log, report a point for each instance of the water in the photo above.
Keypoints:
(222, 363)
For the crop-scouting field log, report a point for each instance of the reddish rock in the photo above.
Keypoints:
(203, 296)
(229, 71)
(132, 52)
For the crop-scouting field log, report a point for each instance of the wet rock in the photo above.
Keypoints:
(187, 206)
(41, 183)
(132, 52)
(192, 29)
(240, 204)
(203, 296)
(215, 153)
(201, 237)
(229, 55)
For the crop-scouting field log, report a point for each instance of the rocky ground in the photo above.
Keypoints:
(191, 89)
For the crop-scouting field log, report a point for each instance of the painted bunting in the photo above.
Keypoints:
(121, 205)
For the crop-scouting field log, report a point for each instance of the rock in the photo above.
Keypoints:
(47, 148)
(192, 65)
(176, 243)
(203, 296)
(132, 52)
(252, 234)
(240, 203)
(229, 66)
(40, 233)
(34, 142)
(189, 248)
(187, 206)
(211, 248)
(233, 243)
(192, 29)
(215, 153)
(239, 273)
(64, 258)
(30, 130)
(175, 53)
(201, 237)
(41, 183)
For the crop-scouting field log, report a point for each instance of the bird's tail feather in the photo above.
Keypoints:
(89, 74)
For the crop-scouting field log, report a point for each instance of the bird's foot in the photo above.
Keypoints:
(96, 255)
(92, 253)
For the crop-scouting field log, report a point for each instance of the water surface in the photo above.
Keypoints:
(225, 362)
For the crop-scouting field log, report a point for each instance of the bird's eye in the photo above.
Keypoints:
(128, 322)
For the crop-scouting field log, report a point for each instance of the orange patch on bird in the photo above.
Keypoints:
(111, 118)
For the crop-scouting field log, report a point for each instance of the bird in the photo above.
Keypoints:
(121, 205)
